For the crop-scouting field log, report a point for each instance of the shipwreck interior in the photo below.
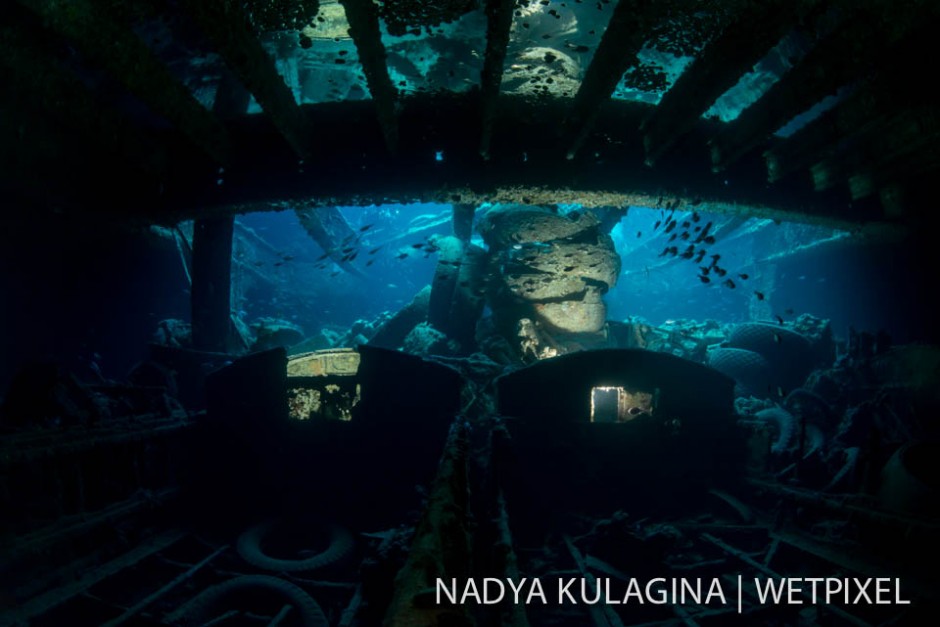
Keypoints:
(311, 305)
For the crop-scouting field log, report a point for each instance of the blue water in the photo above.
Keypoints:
(839, 279)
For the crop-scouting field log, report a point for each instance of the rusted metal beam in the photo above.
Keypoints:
(115, 48)
(895, 86)
(363, 18)
(841, 57)
(212, 279)
(745, 40)
(625, 34)
(227, 26)
(441, 546)
(40, 78)
(498, 25)
(907, 138)
(45, 602)
(894, 173)
(150, 599)
(820, 138)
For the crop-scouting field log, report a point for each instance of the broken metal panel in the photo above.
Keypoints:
(342, 362)
(839, 58)
(498, 24)
(329, 229)
(617, 51)
(364, 29)
(715, 70)
(115, 48)
(228, 27)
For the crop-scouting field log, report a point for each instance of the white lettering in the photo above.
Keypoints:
(633, 590)
(772, 590)
(563, 590)
(793, 592)
(833, 587)
(536, 591)
(450, 594)
(657, 594)
(470, 590)
(861, 591)
(585, 588)
(516, 589)
(487, 597)
(715, 589)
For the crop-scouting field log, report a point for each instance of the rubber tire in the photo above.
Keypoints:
(206, 604)
(749, 369)
(250, 542)
(789, 354)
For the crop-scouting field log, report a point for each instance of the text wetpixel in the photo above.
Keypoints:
(826, 590)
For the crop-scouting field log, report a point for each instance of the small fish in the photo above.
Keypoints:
(709, 240)
(673, 237)
(685, 235)
(777, 338)
(639, 234)
(323, 256)
(288, 257)
(715, 259)
(704, 279)
(365, 228)
(569, 268)
(688, 254)
(686, 224)
(779, 320)
(759, 295)
(656, 226)
(670, 225)
(402, 256)
(744, 277)
(278, 264)
(789, 312)
(370, 262)
(348, 249)
(418, 245)
(720, 271)
(705, 269)
(700, 256)
(375, 250)
(729, 283)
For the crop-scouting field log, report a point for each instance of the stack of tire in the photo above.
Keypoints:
(766, 360)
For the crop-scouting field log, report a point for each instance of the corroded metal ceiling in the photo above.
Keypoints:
(163, 109)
